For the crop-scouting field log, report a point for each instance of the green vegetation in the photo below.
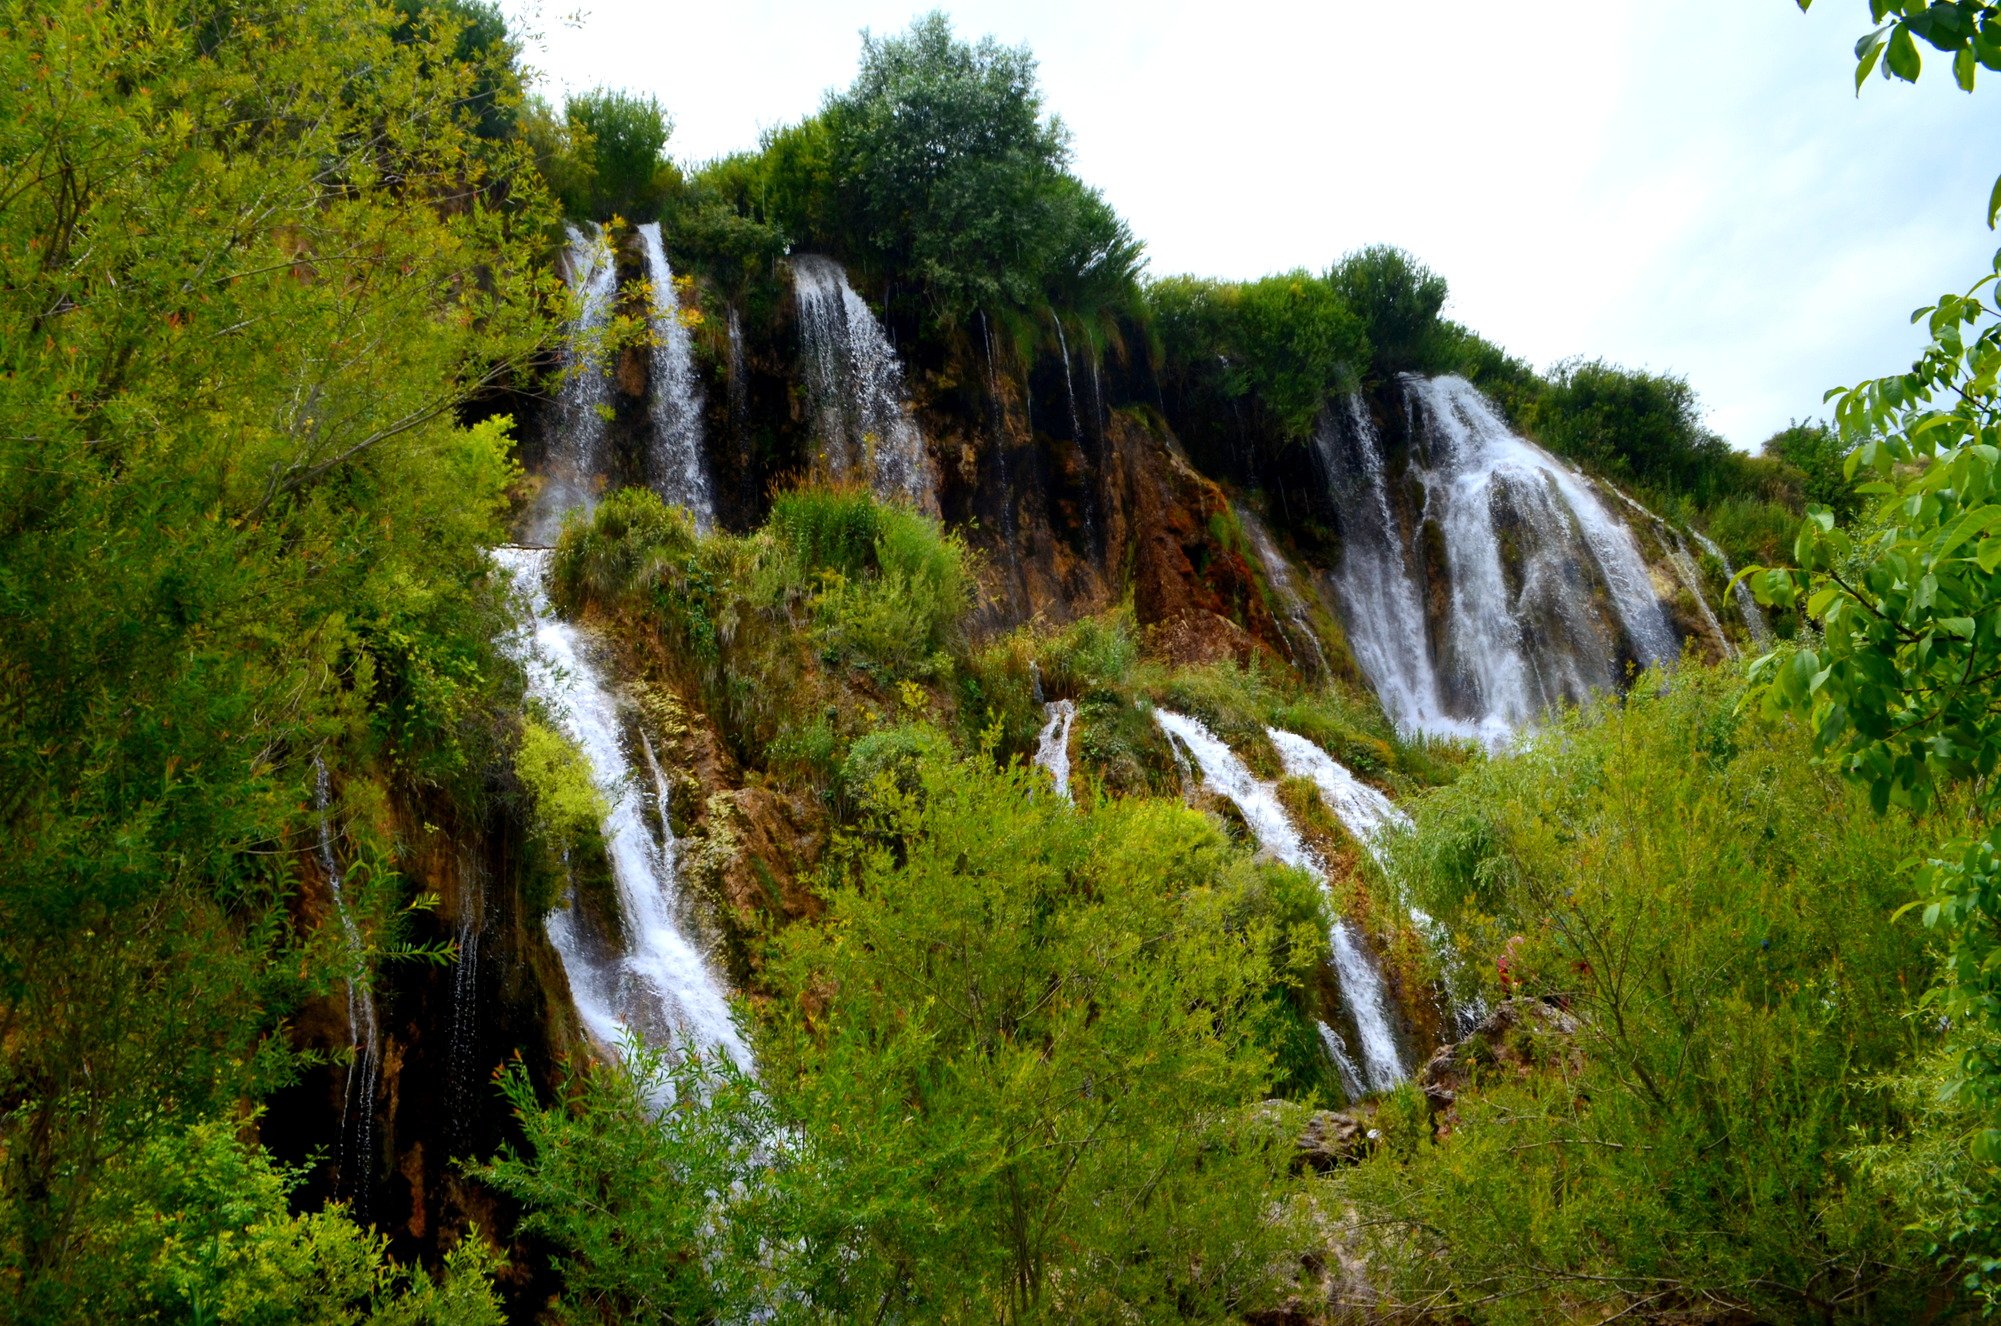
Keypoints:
(263, 268)
(1013, 1077)
(1287, 342)
(1709, 909)
(606, 156)
(253, 258)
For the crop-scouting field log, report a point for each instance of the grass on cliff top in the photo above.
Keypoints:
(845, 616)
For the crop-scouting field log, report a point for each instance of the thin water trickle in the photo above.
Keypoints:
(461, 1061)
(1755, 624)
(1675, 548)
(655, 983)
(856, 383)
(364, 1029)
(1361, 984)
(1052, 746)
(1278, 573)
(575, 460)
(680, 471)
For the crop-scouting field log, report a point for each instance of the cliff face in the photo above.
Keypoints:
(1077, 490)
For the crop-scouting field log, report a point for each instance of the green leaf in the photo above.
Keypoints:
(1963, 66)
(1867, 52)
(1902, 55)
(1994, 210)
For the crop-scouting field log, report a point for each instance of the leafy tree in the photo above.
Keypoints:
(646, 1175)
(937, 167)
(253, 259)
(1021, 1051)
(1818, 453)
(1398, 300)
(1903, 685)
(619, 140)
(1285, 343)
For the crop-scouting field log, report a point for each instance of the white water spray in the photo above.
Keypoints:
(856, 383)
(1052, 746)
(680, 471)
(1361, 984)
(657, 983)
(1755, 624)
(575, 459)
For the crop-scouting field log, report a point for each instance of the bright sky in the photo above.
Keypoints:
(1682, 185)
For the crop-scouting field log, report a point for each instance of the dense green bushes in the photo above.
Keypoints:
(1711, 910)
(790, 634)
(1013, 1077)
(239, 528)
(1287, 343)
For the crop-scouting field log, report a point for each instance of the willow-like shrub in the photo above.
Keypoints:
(1712, 909)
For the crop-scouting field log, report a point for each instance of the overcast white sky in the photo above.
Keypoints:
(1683, 185)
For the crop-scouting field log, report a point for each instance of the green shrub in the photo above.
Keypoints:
(195, 1226)
(1024, 1054)
(1397, 301)
(1709, 907)
(567, 813)
(623, 547)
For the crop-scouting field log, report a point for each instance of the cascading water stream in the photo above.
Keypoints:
(657, 984)
(1524, 652)
(1278, 573)
(570, 474)
(1755, 624)
(1052, 746)
(680, 473)
(1381, 595)
(1528, 555)
(1675, 547)
(1361, 984)
(364, 1029)
(1371, 818)
(460, 1061)
(856, 383)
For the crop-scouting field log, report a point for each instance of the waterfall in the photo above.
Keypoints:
(1278, 573)
(569, 476)
(1361, 983)
(1523, 651)
(1530, 556)
(364, 1030)
(680, 472)
(1052, 747)
(1371, 817)
(1069, 386)
(1755, 624)
(1362, 810)
(856, 383)
(1380, 592)
(460, 1061)
(1675, 549)
(739, 398)
(657, 983)
(1092, 542)
(1344, 1064)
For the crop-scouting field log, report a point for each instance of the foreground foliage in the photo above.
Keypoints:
(1010, 1078)
(1709, 907)
(252, 259)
